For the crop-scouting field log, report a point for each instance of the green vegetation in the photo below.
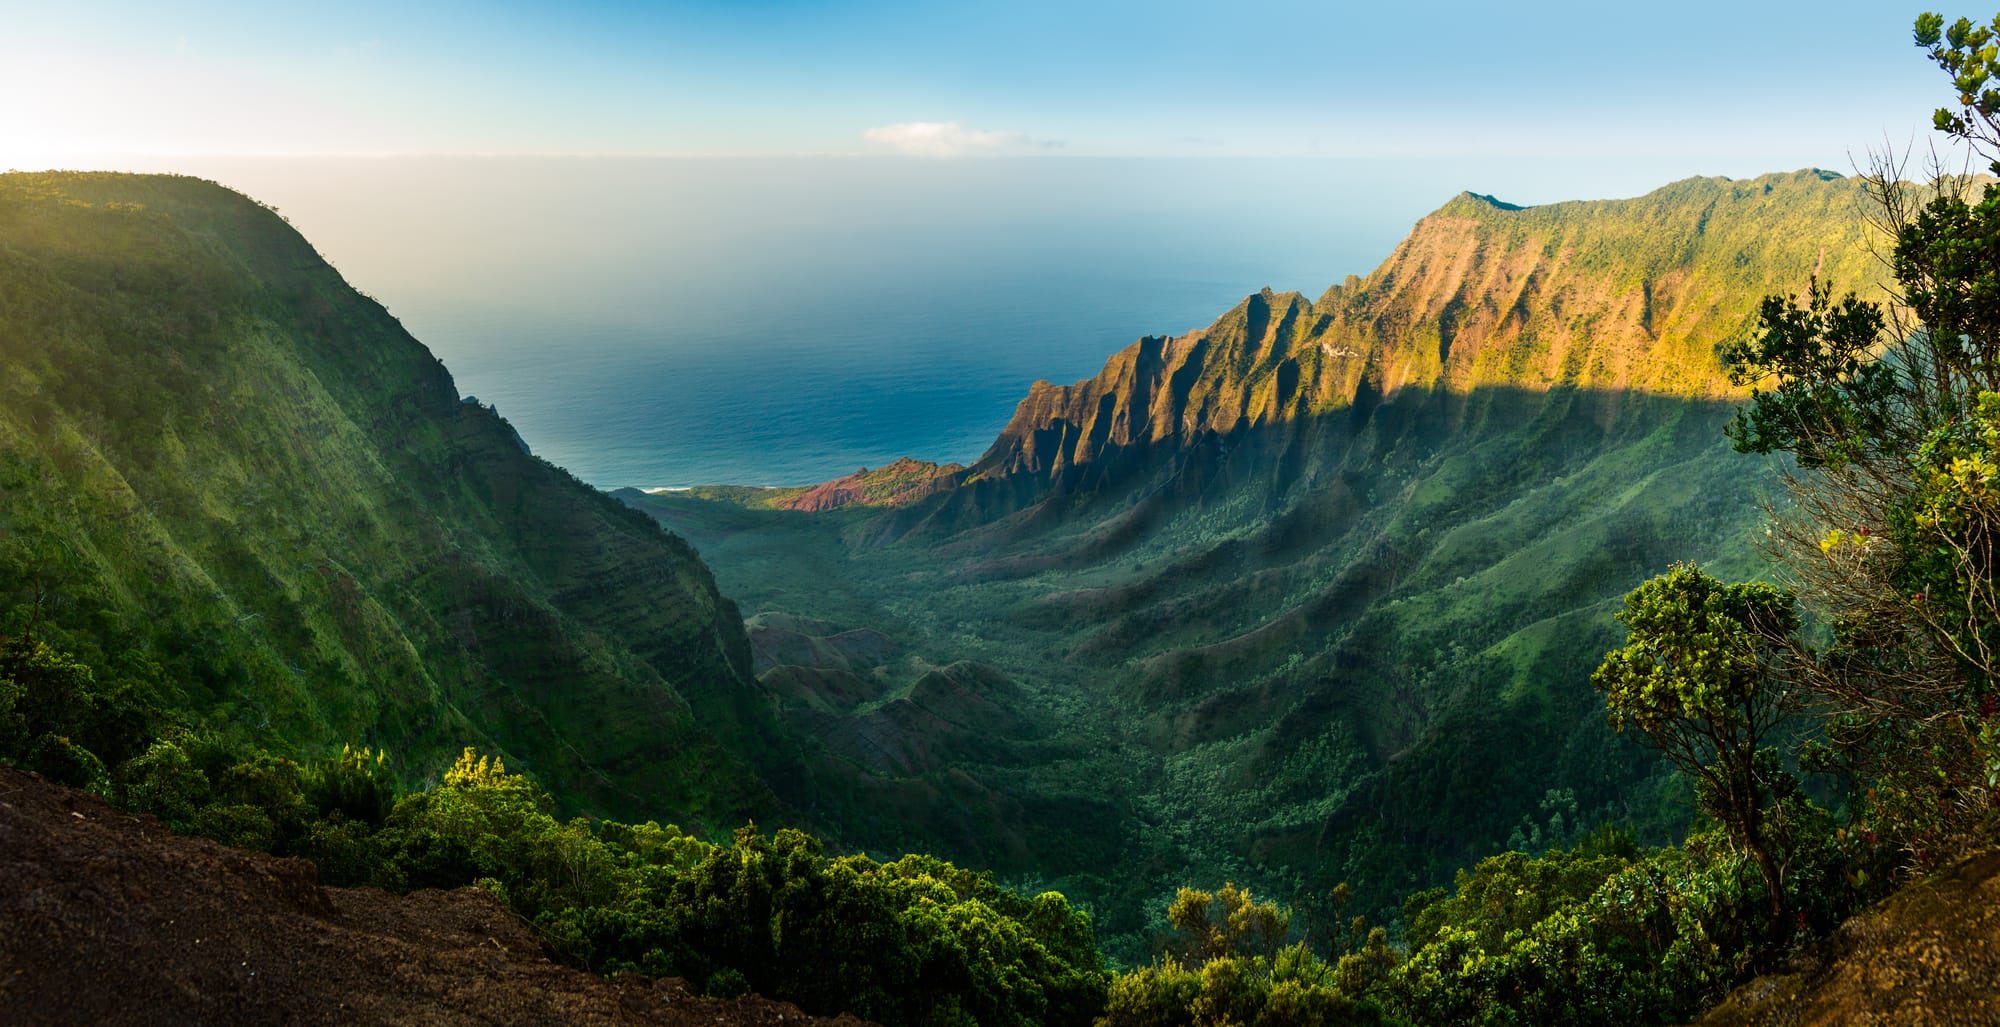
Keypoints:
(1893, 416)
(241, 485)
(913, 941)
(1605, 933)
(1602, 932)
(1307, 601)
(1698, 677)
(1236, 970)
(1347, 637)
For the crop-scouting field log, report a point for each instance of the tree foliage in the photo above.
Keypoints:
(1608, 933)
(1892, 415)
(1966, 52)
(913, 941)
(1700, 677)
(1226, 923)
(1227, 963)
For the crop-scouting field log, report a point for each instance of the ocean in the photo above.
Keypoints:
(665, 322)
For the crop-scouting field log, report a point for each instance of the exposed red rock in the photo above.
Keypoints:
(900, 482)
(1480, 294)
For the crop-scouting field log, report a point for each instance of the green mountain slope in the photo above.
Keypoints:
(1313, 594)
(224, 472)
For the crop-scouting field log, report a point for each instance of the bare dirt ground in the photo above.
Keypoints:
(107, 918)
(1927, 956)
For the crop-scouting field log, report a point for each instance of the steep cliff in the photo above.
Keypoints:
(230, 478)
(1608, 296)
(1611, 296)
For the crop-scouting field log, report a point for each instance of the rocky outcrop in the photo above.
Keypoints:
(1928, 956)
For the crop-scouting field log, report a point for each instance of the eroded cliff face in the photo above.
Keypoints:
(1619, 296)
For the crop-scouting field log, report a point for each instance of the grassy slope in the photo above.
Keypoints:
(223, 467)
(1314, 594)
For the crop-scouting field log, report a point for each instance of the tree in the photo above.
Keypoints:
(1891, 412)
(356, 784)
(1226, 923)
(1699, 676)
(1965, 52)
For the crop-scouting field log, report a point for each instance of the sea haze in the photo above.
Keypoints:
(779, 321)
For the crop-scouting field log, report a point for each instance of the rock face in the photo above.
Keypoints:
(1928, 956)
(1623, 295)
(1616, 296)
(112, 920)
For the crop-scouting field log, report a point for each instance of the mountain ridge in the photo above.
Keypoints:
(232, 479)
(1465, 301)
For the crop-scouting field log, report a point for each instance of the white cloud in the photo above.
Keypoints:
(951, 139)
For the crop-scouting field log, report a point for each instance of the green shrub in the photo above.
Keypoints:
(1226, 964)
(1605, 934)
(61, 760)
(163, 781)
(356, 785)
(239, 824)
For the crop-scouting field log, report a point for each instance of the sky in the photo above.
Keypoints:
(607, 216)
(1743, 86)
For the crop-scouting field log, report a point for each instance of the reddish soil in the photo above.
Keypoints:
(1927, 956)
(107, 918)
(904, 481)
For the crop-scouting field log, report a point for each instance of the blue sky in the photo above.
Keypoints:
(1754, 86)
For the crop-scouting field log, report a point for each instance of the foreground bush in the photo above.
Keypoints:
(1607, 934)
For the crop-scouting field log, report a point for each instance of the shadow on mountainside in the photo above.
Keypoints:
(110, 919)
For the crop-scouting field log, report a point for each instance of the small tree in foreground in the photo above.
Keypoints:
(1698, 678)
(1226, 923)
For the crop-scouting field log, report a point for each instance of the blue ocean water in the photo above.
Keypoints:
(778, 321)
